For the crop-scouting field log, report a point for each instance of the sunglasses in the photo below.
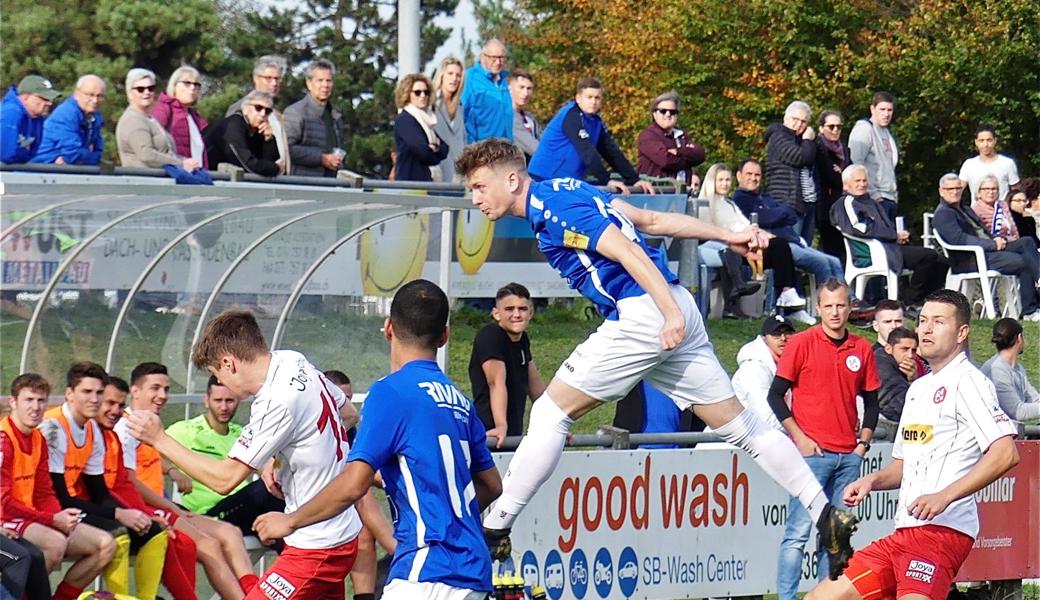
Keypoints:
(261, 108)
(140, 89)
(423, 92)
(194, 84)
(833, 126)
(668, 112)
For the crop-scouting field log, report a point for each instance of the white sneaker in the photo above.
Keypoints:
(802, 317)
(1033, 316)
(789, 298)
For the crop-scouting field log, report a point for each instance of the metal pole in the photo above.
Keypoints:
(688, 254)
(407, 37)
(444, 275)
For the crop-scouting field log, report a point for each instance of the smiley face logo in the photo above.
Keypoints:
(393, 253)
(474, 234)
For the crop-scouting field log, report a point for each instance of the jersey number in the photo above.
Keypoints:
(459, 501)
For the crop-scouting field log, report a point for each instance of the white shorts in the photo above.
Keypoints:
(621, 353)
(399, 589)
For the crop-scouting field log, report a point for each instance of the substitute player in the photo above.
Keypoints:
(426, 439)
(295, 417)
(653, 331)
(953, 440)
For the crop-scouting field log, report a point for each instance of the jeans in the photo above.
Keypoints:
(823, 266)
(834, 471)
(806, 224)
(708, 253)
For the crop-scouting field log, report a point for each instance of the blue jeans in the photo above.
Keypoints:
(822, 265)
(834, 471)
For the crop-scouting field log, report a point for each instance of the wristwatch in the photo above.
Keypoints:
(865, 444)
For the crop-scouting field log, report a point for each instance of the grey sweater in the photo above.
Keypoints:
(453, 133)
(142, 142)
(867, 148)
(305, 133)
(1017, 397)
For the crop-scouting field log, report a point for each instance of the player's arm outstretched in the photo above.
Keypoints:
(1000, 457)
(682, 226)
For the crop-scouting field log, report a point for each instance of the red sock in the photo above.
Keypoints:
(67, 591)
(248, 582)
(179, 568)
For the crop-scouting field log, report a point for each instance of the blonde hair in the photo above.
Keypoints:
(708, 187)
(176, 76)
(451, 103)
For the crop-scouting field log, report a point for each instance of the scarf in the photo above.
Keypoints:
(427, 120)
(997, 219)
(837, 150)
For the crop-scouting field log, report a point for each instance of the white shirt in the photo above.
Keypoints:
(195, 136)
(57, 443)
(295, 418)
(129, 442)
(1003, 168)
(950, 418)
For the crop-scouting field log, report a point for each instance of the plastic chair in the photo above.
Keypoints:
(927, 236)
(986, 278)
(878, 267)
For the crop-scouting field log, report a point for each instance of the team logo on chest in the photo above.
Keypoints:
(940, 395)
(853, 363)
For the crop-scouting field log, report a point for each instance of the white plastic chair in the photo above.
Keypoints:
(878, 267)
(986, 278)
(927, 237)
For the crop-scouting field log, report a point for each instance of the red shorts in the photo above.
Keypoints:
(921, 560)
(307, 574)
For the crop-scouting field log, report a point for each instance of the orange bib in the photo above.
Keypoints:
(23, 464)
(113, 448)
(75, 456)
(149, 468)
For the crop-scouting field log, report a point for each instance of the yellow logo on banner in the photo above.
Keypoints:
(917, 434)
(573, 239)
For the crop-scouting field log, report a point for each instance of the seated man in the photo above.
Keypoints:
(859, 215)
(756, 367)
(959, 225)
(72, 134)
(246, 139)
(22, 115)
(897, 369)
(1017, 397)
(576, 142)
(30, 507)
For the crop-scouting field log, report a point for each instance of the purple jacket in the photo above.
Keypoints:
(173, 116)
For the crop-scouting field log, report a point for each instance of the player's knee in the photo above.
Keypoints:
(545, 414)
(366, 541)
(105, 547)
(208, 547)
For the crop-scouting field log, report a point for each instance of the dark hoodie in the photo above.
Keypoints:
(786, 155)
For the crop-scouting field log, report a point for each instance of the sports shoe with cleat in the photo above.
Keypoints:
(836, 527)
(498, 543)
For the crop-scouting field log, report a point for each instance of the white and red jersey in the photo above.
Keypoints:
(295, 418)
(950, 418)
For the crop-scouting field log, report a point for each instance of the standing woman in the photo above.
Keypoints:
(832, 156)
(175, 111)
(141, 141)
(419, 150)
(447, 105)
(664, 150)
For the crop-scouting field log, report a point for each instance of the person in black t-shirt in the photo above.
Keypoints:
(502, 371)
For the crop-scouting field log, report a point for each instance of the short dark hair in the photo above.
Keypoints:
(901, 333)
(119, 383)
(145, 369)
(493, 152)
(830, 112)
(955, 299)
(513, 289)
(232, 332)
(586, 83)
(888, 304)
(521, 74)
(833, 284)
(337, 377)
(985, 127)
(31, 381)
(1005, 331)
(84, 369)
(419, 313)
(212, 381)
(882, 96)
(747, 161)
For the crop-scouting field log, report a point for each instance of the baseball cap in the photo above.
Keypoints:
(38, 86)
(772, 324)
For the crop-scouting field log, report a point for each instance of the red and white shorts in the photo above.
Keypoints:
(921, 560)
(307, 574)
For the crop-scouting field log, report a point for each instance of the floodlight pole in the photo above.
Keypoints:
(408, 34)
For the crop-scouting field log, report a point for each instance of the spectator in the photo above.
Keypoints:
(313, 126)
(419, 150)
(646, 409)
(1023, 216)
(268, 74)
(824, 368)
(1017, 397)
(176, 112)
(832, 156)
(756, 367)
(695, 183)
(447, 91)
(959, 225)
(22, 114)
(487, 108)
(246, 138)
(988, 162)
(872, 145)
(526, 128)
(72, 134)
(995, 213)
(664, 150)
(502, 371)
(23, 568)
(141, 140)
(888, 316)
(897, 369)
(859, 215)
(780, 221)
(576, 141)
(790, 157)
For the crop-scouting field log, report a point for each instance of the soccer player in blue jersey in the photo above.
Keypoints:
(652, 331)
(426, 439)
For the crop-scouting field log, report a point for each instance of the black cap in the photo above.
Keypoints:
(772, 324)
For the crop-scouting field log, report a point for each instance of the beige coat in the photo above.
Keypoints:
(142, 142)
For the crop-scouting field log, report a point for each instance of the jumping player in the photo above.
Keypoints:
(426, 439)
(295, 417)
(653, 330)
(953, 440)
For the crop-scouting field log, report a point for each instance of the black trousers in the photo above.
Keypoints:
(1021, 259)
(23, 569)
(929, 269)
(117, 529)
(244, 506)
(777, 256)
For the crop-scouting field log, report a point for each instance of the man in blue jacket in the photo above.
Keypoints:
(487, 107)
(72, 136)
(576, 142)
(22, 115)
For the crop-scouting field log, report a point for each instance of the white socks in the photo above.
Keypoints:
(535, 459)
(778, 457)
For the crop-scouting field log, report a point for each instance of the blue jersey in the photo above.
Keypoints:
(426, 439)
(568, 217)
